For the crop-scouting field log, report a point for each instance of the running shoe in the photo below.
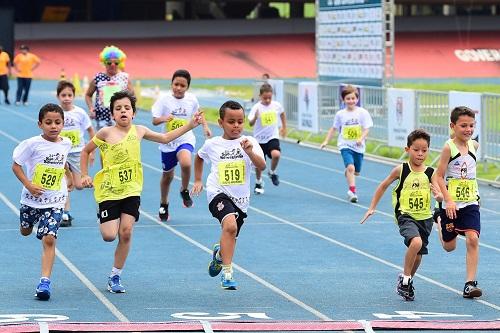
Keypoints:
(406, 291)
(163, 212)
(259, 189)
(352, 196)
(115, 285)
(215, 266)
(43, 289)
(186, 199)
(227, 281)
(471, 290)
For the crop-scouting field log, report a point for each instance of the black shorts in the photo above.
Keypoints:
(112, 209)
(468, 219)
(4, 82)
(221, 206)
(273, 144)
(410, 228)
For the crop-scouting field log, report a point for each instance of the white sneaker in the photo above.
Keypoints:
(352, 196)
(259, 188)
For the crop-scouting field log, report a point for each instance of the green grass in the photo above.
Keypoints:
(447, 86)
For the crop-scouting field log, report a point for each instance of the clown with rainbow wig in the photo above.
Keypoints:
(106, 83)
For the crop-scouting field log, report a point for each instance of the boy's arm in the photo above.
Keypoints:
(206, 130)
(172, 135)
(257, 160)
(198, 172)
(162, 119)
(283, 124)
(331, 132)
(436, 192)
(379, 192)
(84, 163)
(69, 177)
(252, 117)
(35, 190)
(451, 207)
(88, 98)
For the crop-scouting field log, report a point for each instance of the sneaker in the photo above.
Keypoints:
(26, 104)
(352, 196)
(163, 212)
(227, 281)
(186, 199)
(259, 189)
(275, 179)
(215, 266)
(18, 103)
(66, 220)
(43, 290)
(115, 284)
(471, 290)
(7, 102)
(405, 291)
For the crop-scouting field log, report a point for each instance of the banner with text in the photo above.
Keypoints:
(308, 106)
(401, 115)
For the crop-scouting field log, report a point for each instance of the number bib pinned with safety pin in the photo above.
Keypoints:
(49, 178)
(175, 123)
(415, 201)
(73, 135)
(124, 174)
(351, 132)
(231, 173)
(268, 118)
(462, 190)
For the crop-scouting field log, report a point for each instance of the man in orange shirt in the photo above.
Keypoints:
(24, 63)
(4, 73)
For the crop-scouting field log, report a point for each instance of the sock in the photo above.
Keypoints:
(406, 279)
(115, 271)
(44, 277)
(227, 269)
(271, 172)
(352, 189)
(258, 181)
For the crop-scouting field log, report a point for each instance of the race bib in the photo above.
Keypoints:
(416, 201)
(232, 173)
(175, 123)
(73, 135)
(124, 174)
(351, 132)
(107, 92)
(462, 190)
(268, 118)
(49, 178)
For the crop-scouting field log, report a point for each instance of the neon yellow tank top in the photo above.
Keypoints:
(121, 175)
(412, 195)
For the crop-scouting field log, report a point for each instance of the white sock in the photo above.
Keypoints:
(271, 172)
(258, 181)
(115, 271)
(406, 279)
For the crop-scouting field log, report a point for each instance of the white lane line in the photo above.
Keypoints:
(98, 294)
(241, 269)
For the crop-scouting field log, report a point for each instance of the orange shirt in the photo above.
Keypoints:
(24, 64)
(4, 63)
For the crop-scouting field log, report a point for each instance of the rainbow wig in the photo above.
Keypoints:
(113, 52)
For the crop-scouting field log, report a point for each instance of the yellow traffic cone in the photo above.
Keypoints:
(138, 93)
(76, 83)
(85, 84)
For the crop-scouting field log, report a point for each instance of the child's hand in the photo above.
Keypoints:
(359, 142)
(197, 119)
(369, 213)
(35, 190)
(92, 113)
(87, 181)
(283, 132)
(436, 192)
(168, 118)
(207, 132)
(197, 188)
(246, 145)
(451, 210)
(323, 144)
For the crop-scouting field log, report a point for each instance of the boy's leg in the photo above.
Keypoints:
(184, 158)
(166, 180)
(19, 90)
(275, 158)
(472, 255)
(48, 254)
(27, 86)
(228, 239)
(124, 240)
(411, 256)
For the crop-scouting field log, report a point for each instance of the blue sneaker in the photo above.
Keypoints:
(115, 284)
(43, 290)
(215, 266)
(227, 281)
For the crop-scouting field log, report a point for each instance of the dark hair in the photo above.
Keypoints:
(50, 107)
(122, 94)
(266, 87)
(461, 111)
(265, 76)
(24, 47)
(63, 85)
(418, 134)
(232, 105)
(349, 89)
(182, 73)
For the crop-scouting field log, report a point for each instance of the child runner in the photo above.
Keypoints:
(411, 199)
(264, 115)
(44, 186)
(232, 157)
(118, 184)
(353, 124)
(174, 110)
(457, 180)
(76, 122)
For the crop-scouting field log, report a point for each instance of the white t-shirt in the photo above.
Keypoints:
(76, 122)
(266, 126)
(38, 154)
(182, 110)
(230, 169)
(350, 125)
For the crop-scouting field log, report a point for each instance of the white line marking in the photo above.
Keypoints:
(206, 326)
(44, 327)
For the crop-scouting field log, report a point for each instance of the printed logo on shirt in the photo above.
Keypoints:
(56, 159)
(180, 111)
(232, 154)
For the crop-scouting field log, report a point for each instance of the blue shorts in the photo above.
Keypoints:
(169, 160)
(351, 157)
(48, 220)
(468, 219)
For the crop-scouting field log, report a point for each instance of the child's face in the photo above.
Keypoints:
(112, 66)
(266, 97)
(179, 86)
(351, 100)
(66, 98)
(418, 151)
(123, 112)
(232, 124)
(51, 125)
(464, 127)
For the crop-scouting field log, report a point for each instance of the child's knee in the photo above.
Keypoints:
(449, 246)
(49, 240)
(26, 231)
(416, 242)
(350, 168)
(275, 154)
(472, 239)
(230, 226)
